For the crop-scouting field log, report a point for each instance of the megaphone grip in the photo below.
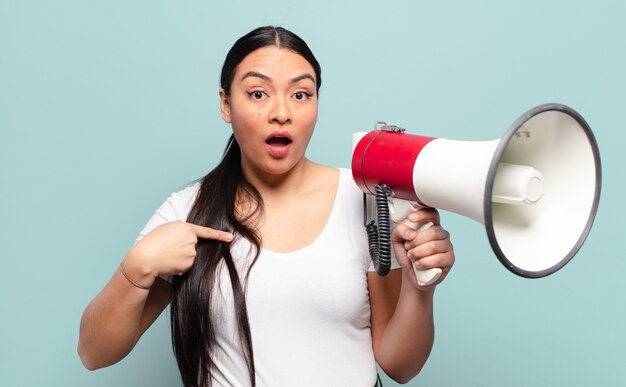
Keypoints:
(427, 276)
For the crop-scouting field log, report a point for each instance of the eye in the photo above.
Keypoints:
(301, 95)
(257, 94)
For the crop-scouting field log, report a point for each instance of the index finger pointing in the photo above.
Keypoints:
(210, 233)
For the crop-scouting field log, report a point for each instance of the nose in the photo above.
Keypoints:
(280, 112)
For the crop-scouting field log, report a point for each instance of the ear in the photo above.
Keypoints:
(225, 106)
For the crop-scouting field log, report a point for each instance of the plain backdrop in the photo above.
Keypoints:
(106, 107)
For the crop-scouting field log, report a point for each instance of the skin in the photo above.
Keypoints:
(273, 91)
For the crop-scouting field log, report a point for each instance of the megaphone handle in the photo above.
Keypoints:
(428, 276)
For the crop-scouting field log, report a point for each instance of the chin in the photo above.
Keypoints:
(281, 166)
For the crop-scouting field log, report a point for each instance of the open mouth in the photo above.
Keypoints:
(278, 141)
(278, 144)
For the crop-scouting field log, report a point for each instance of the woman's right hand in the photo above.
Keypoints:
(169, 249)
(116, 318)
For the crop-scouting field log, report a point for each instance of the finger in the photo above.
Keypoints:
(443, 261)
(428, 249)
(425, 215)
(435, 233)
(403, 233)
(209, 233)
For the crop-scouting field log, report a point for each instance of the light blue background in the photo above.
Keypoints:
(108, 106)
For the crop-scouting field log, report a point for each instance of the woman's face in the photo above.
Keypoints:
(272, 108)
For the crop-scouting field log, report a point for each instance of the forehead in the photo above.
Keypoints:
(274, 62)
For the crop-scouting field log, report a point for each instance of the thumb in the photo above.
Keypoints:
(210, 233)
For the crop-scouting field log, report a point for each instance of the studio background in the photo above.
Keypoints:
(106, 107)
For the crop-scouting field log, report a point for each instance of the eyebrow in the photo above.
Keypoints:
(301, 77)
(256, 75)
(264, 77)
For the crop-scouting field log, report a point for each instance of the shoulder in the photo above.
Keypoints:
(349, 196)
(179, 203)
(184, 198)
(330, 175)
(346, 182)
(175, 207)
(331, 178)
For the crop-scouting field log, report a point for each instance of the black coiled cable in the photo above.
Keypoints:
(379, 237)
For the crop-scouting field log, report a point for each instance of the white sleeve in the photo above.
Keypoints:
(175, 207)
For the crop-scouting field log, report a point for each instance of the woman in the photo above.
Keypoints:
(265, 263)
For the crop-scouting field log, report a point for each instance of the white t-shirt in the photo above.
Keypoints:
(309, 309)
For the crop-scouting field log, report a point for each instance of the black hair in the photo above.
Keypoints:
(216, 206)
(263, 37)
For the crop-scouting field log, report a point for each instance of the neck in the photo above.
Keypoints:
(290, 181)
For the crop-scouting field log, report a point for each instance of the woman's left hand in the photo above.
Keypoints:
(429, 248)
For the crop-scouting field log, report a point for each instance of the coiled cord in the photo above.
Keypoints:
(379, 237)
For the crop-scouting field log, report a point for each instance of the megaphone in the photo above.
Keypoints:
(536, 190)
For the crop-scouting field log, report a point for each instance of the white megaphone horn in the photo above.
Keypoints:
(536, 189)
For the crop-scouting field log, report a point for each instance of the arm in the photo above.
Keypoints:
(117, 317)
(402, 311)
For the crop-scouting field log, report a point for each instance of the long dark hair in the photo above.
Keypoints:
(216, 206)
